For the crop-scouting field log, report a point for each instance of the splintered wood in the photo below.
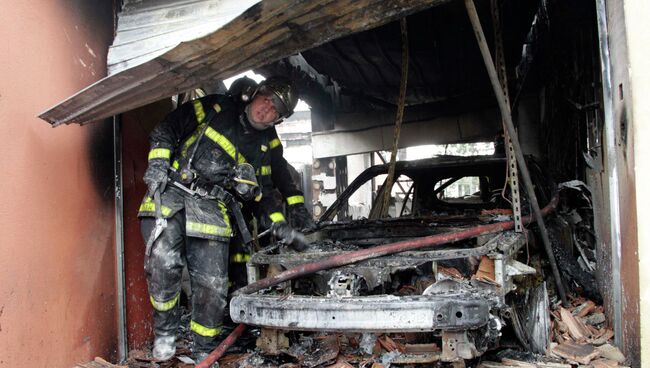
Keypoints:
(574, 352)
(576, 328)
(485, 270)
(581, 335)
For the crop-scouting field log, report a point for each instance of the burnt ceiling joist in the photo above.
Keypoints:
(360, 73)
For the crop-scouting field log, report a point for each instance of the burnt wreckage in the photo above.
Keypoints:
(461, 294)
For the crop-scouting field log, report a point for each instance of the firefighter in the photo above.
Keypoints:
(283, 176)
(207, 157)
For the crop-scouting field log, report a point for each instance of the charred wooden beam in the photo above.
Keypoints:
(268, 31)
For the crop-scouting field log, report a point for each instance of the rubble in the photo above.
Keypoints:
(579, 333)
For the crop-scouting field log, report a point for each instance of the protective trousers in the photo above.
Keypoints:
(207, 263)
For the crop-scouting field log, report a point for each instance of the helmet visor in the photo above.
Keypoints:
(278, 103)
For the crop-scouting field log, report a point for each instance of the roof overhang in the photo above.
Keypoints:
(266, 32)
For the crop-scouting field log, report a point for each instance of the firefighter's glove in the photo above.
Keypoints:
(289, 236)
(300, 218)
(156, 175)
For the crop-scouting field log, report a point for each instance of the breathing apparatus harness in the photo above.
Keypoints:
(243, 176)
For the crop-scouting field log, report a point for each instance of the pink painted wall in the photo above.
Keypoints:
(57, 262)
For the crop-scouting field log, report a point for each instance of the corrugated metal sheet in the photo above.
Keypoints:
(149, 28)
(266, 32)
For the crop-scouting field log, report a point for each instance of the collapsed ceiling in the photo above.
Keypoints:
(266, 32)
(345, 60)
(361, 72)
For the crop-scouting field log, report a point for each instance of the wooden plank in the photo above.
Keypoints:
(583, 309)
(268, 31)
(611, 352)
(389, 345)
(576, 328)
(485, 270)
(581, 353)
(604, 337)
(517, 363)
(604, 363)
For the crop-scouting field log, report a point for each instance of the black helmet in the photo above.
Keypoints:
(283, 93)
(242, 89)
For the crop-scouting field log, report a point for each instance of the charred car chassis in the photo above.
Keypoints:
(435, 290)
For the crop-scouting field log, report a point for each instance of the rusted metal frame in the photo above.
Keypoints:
(386, 249)
(503, 78)
(507, 117)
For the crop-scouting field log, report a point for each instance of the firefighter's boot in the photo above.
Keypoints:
(164, 347)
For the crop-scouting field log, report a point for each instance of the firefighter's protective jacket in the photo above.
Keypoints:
(228, 140)
(282, 178)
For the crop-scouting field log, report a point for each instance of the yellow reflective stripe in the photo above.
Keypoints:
(149, 206)
(208, 229)
(240, 258)
(165, 306)
(191, 140)
(295, 199)
(275, 142)
(224, 213)
(204, 331)
(277, 217)
(198, 111)
(264, 170)
(244, 181)
(176, 165)
(160, 153)
(225, 144)
(200, 115)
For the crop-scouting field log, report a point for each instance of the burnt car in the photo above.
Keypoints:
(460, 294)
